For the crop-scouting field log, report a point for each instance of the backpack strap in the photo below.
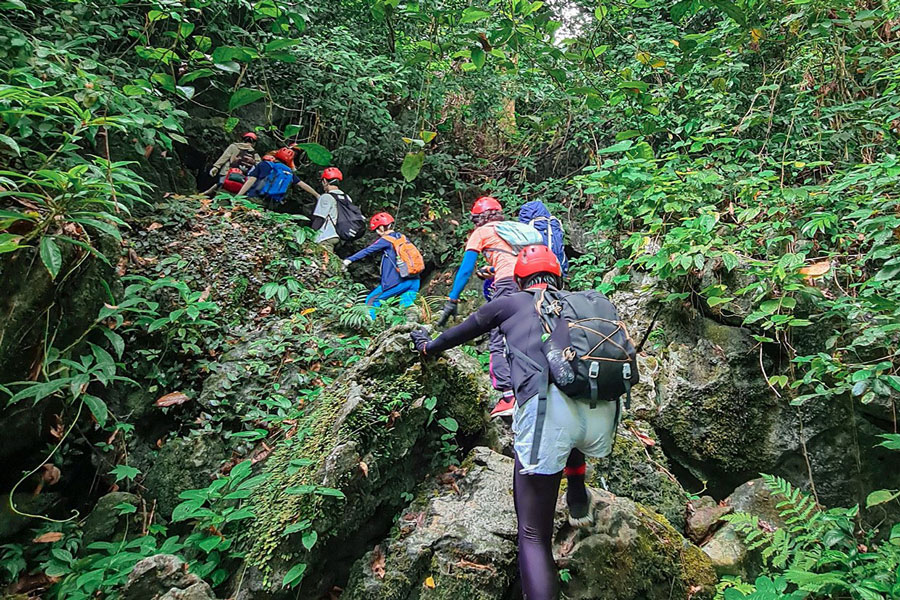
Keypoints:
(543, 394)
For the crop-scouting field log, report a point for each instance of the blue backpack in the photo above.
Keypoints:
(275, 186)
(536, 214)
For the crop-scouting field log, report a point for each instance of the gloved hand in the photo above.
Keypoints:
(450, 310)
(213, 172)
(346, 263)
(486, 272)
(420, 339)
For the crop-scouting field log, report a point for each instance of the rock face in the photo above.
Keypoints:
(638, 469)
(372, 436)
(465, 543)
(183, 464)
(106, 523)
(705, 394)
(165, 577)
(726, 548)
(705, 517)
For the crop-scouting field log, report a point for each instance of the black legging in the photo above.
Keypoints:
(535, 500)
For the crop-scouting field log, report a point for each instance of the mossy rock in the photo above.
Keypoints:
(639, 470)
(183, 464)
(632, 553)
(374, 414)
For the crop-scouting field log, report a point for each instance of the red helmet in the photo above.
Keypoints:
(332, 173)
(285, 155)
(380, 219)
(536, 258)
(249, 135)
(484, 204)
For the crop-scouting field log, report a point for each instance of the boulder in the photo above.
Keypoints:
(726, 548)
(182, 464)
(13, 523)
(465, 542)
(704, 517)
(107, 523)
(165, 577)
(373, 435)
(638, 469)
(460, 542)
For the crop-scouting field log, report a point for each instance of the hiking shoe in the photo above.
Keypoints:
(582, 515)
(504, 408)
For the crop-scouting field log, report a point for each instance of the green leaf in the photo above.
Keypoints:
(880, 497)
(412, 165)
(280, 44)
(472, 14)
(97, 408)
(125, 508)
(449, 423)
(427, 136)
(731, 9)
(125, 472)
(309, 539)
(51, 256)
(717, 301)
(618, 147)
(679, 9)
(294, 576)
(318, 154)
(5, 139)
(230, 124)
(115, 340)
(243, 97)
(478, 57)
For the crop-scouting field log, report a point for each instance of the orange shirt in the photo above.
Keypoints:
(503, 260)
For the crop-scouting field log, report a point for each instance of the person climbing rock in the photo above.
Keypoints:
(536, 214)
(237, 160)
(553, 432)
(401, 264)
(486, 214)
(335, 216)
(269, 180)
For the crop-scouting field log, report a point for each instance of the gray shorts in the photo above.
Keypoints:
(568, 424)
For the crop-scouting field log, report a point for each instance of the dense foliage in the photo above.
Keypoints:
(743, 153)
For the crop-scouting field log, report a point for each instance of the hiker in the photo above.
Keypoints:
(335, 216)
(492, 237)
(537, 215)
(401, 264)
(554, 431)
(270, 179)
(233, 165)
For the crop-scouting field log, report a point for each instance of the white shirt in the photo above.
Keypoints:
(326, 208)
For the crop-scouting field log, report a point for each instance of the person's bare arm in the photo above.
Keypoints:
(247, 185)
(308, 189)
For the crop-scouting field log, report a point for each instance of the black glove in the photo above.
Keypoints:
(485, 273)
(450, 310)
(420, 339)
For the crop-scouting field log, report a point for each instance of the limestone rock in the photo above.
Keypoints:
(726, 548)
(705, 517)
(165, 577)
(183, 464)
(466, 543)
(106, 523)
(638, 469)
(373, 435)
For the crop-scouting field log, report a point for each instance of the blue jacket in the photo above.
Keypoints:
(547, 224)
(389, 275)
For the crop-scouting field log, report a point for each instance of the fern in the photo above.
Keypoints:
(816, 551)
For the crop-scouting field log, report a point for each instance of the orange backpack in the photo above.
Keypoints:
(409, 259)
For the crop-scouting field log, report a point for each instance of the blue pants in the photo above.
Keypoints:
(407, 289)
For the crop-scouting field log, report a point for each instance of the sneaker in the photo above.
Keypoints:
(504, 408)
(582, 515)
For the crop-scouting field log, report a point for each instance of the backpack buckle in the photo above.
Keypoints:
(626, 371)
(594, 370)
